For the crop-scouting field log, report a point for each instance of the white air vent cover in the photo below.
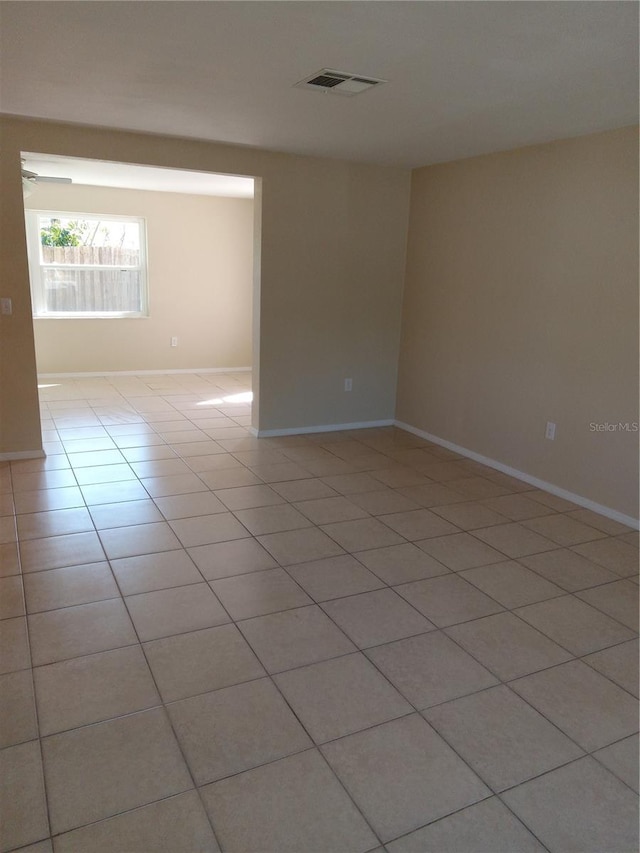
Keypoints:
(338, 82)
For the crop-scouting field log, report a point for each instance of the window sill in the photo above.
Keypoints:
(93, 316)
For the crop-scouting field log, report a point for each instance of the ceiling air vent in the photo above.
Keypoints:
(338, 82)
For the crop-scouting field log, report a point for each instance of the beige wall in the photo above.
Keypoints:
(332, 254)
(200, 273)
(521, 307)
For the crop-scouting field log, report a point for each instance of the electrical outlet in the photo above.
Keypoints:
(550, 431)
(348, 384)
(6, 306)
(174, 342)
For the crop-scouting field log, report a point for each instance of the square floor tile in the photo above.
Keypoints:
(401, 563)
(57, 522)
(80, 630)
(58, 551)
(92, 476)
(563, 530)
(469, 516)
(304, 490)
(43, 480)
(109, 493)
(17, 709)
(511, 584)
(508, 646)
(11, 597)
(384, 501)
(362, 534)
(22, 798)
(432, 494)
(66, 587)
(600, 522)
(574, 625)
(350, 484)
(176, 484)
(619, 663)
(247, 497)
(208, 529)
(619, 600)
(394, 773)
(486, 826)
(340, 696)
(138, 539)
(229, 478)
(89, 689)
(272, 519)
(259, 593)
(14, 645)
(517, 507)
(461, 551)
(514, 539)
(582, 703)
(189, 505)
(612, 554)
(124, 514)
(578, 807)
(448, 600)
(177, 823)
(97, 771)
(334, 577)
(430, 669)
(9, 561)
(328, 510)
(201, 661)
(300, 546)
(7, 529)
(621, 759)
(90, 458)
(290, 805)
(568, 570)
(476, 488)
(165, 612)
(159, 468)
(237, 557)
(149, 572)
(373, 618)
(235, 729)
(419, 524)
(48, 500)
(294, 638)
(505, 740)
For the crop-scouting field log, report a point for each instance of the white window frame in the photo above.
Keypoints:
(36, 266)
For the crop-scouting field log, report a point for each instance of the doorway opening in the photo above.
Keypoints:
(142, 278)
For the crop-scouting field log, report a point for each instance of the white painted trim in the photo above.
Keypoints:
(614, 514)
(272, 433)
(144, 372)
(22, 454)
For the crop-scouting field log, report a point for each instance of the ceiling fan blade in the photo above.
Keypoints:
(49, 179)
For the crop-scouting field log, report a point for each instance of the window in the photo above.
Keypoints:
(86, 265)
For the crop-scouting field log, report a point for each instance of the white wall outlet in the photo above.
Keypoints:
(348, 384)
(550, 431)
(6, 306)
(174, 342)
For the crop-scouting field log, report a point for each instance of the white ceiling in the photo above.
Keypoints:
(101, 174)
(464, 77)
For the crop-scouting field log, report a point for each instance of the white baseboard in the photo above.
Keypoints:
(22, 454)
(144, 372)
(613, 514)
(273, 433)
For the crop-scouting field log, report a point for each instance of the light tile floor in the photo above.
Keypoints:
(330, 642)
